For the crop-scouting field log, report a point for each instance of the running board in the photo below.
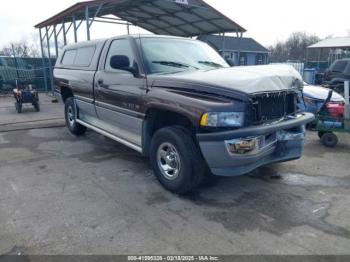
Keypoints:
(113, 137)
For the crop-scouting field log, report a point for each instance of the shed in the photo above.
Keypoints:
(241, 51)
(337, 48)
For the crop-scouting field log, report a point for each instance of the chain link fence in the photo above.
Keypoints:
(27, 71)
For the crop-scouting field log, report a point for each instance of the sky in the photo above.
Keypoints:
(267, 21)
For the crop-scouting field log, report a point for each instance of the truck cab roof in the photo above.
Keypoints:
(103, 40)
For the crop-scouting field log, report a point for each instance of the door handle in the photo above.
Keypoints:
(100, 83)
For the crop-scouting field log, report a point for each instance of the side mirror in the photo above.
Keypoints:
(122, 62)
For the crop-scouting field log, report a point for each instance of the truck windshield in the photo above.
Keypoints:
(169, 55)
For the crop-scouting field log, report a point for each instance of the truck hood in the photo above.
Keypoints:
(321, 93)
(247, 79)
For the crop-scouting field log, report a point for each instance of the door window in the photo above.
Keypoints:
(119, 47)
(348, 71)
(339, 67)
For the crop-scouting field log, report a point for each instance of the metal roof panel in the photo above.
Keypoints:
(338, 42)
(233, 43)
(168, 14)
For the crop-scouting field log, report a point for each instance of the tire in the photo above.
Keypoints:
(70, 115)
(320, 134)
(177, 146)
(18, 107)
(329, 140)
(37, 106)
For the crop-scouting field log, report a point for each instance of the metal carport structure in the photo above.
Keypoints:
(186, 18)
(332, 44)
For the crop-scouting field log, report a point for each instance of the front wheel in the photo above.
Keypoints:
(70, 115)
(18, 106)
(320, 134)
(176, 160)
(329, 140)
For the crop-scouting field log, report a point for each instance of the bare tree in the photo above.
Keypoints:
(21, 49)
(294, 48)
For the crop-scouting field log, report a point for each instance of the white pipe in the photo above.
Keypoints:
(346, 92)
(347, 105)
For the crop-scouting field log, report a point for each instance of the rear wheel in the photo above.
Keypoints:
(37, 106)
(70, 114)
(329, 140)
(176, 160)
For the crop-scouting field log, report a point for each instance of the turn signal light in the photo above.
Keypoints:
(242, 146)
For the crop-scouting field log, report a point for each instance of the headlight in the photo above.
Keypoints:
(309, 101)
(223, 119)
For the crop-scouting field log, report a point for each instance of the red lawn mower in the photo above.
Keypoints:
(25, 95)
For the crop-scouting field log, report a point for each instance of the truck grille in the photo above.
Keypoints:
(272, 106)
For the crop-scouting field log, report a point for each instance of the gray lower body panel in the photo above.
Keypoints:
(111, 136)
(87, 110)
(273, 146)
(222, 163)
(125, 126)
(121, 127)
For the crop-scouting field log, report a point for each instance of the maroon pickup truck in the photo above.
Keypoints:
(178, 102)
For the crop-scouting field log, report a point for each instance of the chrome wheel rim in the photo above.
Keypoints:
(168, 160)
(70, 116)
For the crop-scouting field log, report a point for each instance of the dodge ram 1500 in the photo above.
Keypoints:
(178, 102)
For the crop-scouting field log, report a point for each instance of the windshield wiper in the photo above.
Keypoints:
(173, 64)
(210, 63)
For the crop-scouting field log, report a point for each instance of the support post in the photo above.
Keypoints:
(87, 18)
(16, 65)
(75, 30)
(223, 45)
(64, 33)
(319, 58)
(239, 48)
(49, 57)
(56, 42)
(90, 21)
(43, 59)
(347, 93)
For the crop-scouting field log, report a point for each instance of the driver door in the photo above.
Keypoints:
(118, 95)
